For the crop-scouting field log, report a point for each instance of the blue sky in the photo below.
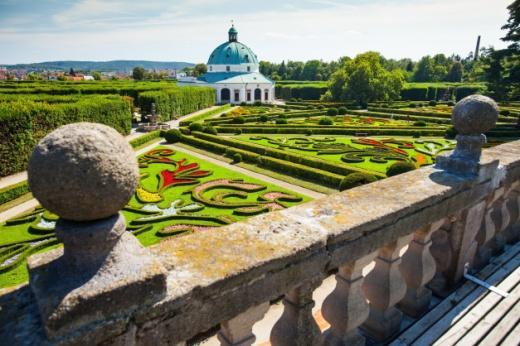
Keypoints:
(188, 30)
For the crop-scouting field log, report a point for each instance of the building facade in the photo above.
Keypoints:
(234, 72)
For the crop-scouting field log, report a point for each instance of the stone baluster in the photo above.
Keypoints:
(442, 253)
(418, 268)
(512, 231)
(297, 326)
(238, 331)
(384, 287)
(86, 173)
(488, 244)
(346, 308)
(472, 117)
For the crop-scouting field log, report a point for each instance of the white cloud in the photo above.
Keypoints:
(186, 30)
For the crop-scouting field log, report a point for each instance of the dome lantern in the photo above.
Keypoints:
(233, 33)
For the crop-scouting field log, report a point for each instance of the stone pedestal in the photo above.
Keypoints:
(102, 272)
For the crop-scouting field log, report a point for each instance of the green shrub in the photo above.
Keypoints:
(308, 132)
(399, 167)
(173, 136)
(504, 112)
(258, 103)
(238, 131)
(237, 158)
(432, 103)
(14, 191)
(281, 121)
(342, 110)
(450, 103)
(263, 118)
(356, 179)
(209, 129)
(238, 120)
(416, 134)
(419, 123)
(196, 127)
(146, 138)
(451, 132)
(325, 121)
(332, 112)
(412, 105)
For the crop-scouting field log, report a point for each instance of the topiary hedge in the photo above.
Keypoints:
(173, 136)
(356, 179)
(14, 191)
(175, 102)
(400, 167)
(145, 139)
(24, 123)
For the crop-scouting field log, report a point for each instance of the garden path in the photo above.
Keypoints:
(265, 178)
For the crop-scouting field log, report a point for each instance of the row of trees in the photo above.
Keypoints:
(316, 70)
(370, 77)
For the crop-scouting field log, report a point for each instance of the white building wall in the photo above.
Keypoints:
(234, 68)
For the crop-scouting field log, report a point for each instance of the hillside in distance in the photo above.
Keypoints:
(103, 66)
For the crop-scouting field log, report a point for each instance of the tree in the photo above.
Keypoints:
(424, 70)
(502, 67)
(311, 69)
(199, 70)
(138, 73)
(455, 73)
(513, 26)
(96, 75)
(364, 80)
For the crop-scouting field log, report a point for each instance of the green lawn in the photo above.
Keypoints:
(346, 149)
(178, 194)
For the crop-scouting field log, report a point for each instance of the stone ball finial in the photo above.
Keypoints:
(474, 115)
(83, 172)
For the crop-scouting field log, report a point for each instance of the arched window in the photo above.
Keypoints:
(266, 95)
(225, 95)
(249, 69)
(211, 68)
(258, 94)
(228, 68)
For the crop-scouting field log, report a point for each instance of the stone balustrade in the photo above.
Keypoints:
(419, 230)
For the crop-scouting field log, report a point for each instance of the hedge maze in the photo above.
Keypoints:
(30, 110)
(324, 142)
(177, 194)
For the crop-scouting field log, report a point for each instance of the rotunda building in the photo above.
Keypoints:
(234, 72)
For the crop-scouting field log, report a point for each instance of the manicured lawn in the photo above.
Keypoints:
(374, 153)
(178, 194)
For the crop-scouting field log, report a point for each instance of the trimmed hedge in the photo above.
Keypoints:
(145, 139)
(298, 91)
(205, 115)
(399, 167)
(172, 103)
(173, 136)
(306, 160)
(23, 124)
(14, 191)
(356, 179)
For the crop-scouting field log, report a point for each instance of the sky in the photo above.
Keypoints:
(276, 30)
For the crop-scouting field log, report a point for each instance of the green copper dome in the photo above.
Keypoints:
(232, 52)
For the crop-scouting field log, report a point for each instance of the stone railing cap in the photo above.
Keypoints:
(83, 172)
(474, 115)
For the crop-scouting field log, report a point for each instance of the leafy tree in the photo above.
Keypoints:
(311, 69)
(138, 73)
(366, 80)
(455, 73)
(199, 70)
(513, 26)
(96, 75)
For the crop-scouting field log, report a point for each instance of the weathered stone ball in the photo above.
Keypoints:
(83, 172)
(474, 115)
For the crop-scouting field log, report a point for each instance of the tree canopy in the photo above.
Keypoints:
(364, 79)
